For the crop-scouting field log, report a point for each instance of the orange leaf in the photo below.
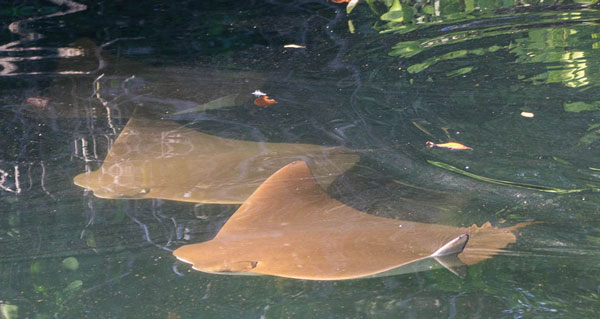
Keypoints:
(39, 102)
(264, 101)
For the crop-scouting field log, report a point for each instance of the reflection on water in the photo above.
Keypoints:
(533, 38)
(374, 88)
(163, 159)
(21, 56)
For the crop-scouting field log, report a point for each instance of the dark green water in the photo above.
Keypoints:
(422, 71)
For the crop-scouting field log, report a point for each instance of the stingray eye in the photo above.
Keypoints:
(240, 266)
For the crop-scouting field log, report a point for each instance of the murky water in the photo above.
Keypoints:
(515, 82)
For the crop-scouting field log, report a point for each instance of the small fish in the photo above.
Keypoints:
(258, 93)
(340, 1)
(450, 145)
(294, 46)
(264, 101)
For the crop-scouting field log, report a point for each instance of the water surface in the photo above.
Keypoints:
(385, 78)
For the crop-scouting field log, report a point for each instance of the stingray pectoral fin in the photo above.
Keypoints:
(453, 264)
(183, 260)
(453, 247)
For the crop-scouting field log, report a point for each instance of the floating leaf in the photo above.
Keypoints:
(9, 311)
(35, 268)
(581, 106)
(73, 286)
(460, 71)
(416, 68)
(293, 46)
(70, 263)
(494, 48)
(469, 6)
(428, 9)
(421, 128)
(13, 220)
(453, 55)
(406, 49)
(593, 126)
(264, 101)
(39, 102)
(589, 138)
(479, 51)
(351, 6)
(90, 241)
(395, 13)
(39, 289)
(527, 114)
(560, 160)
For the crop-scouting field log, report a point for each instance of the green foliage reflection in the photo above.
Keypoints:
(532, 31)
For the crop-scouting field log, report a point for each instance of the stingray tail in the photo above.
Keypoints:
(525, 224)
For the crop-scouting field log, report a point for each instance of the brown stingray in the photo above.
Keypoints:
(163, 159)
(290, 228)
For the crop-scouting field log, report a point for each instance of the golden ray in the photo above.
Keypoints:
(290, 228)
(163, 159)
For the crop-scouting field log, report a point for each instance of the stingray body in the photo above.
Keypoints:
(163, 159)
(290, 228)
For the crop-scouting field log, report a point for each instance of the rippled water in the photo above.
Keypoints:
(516, 82)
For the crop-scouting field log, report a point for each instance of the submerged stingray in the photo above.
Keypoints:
(290, 228)
(163, 159)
